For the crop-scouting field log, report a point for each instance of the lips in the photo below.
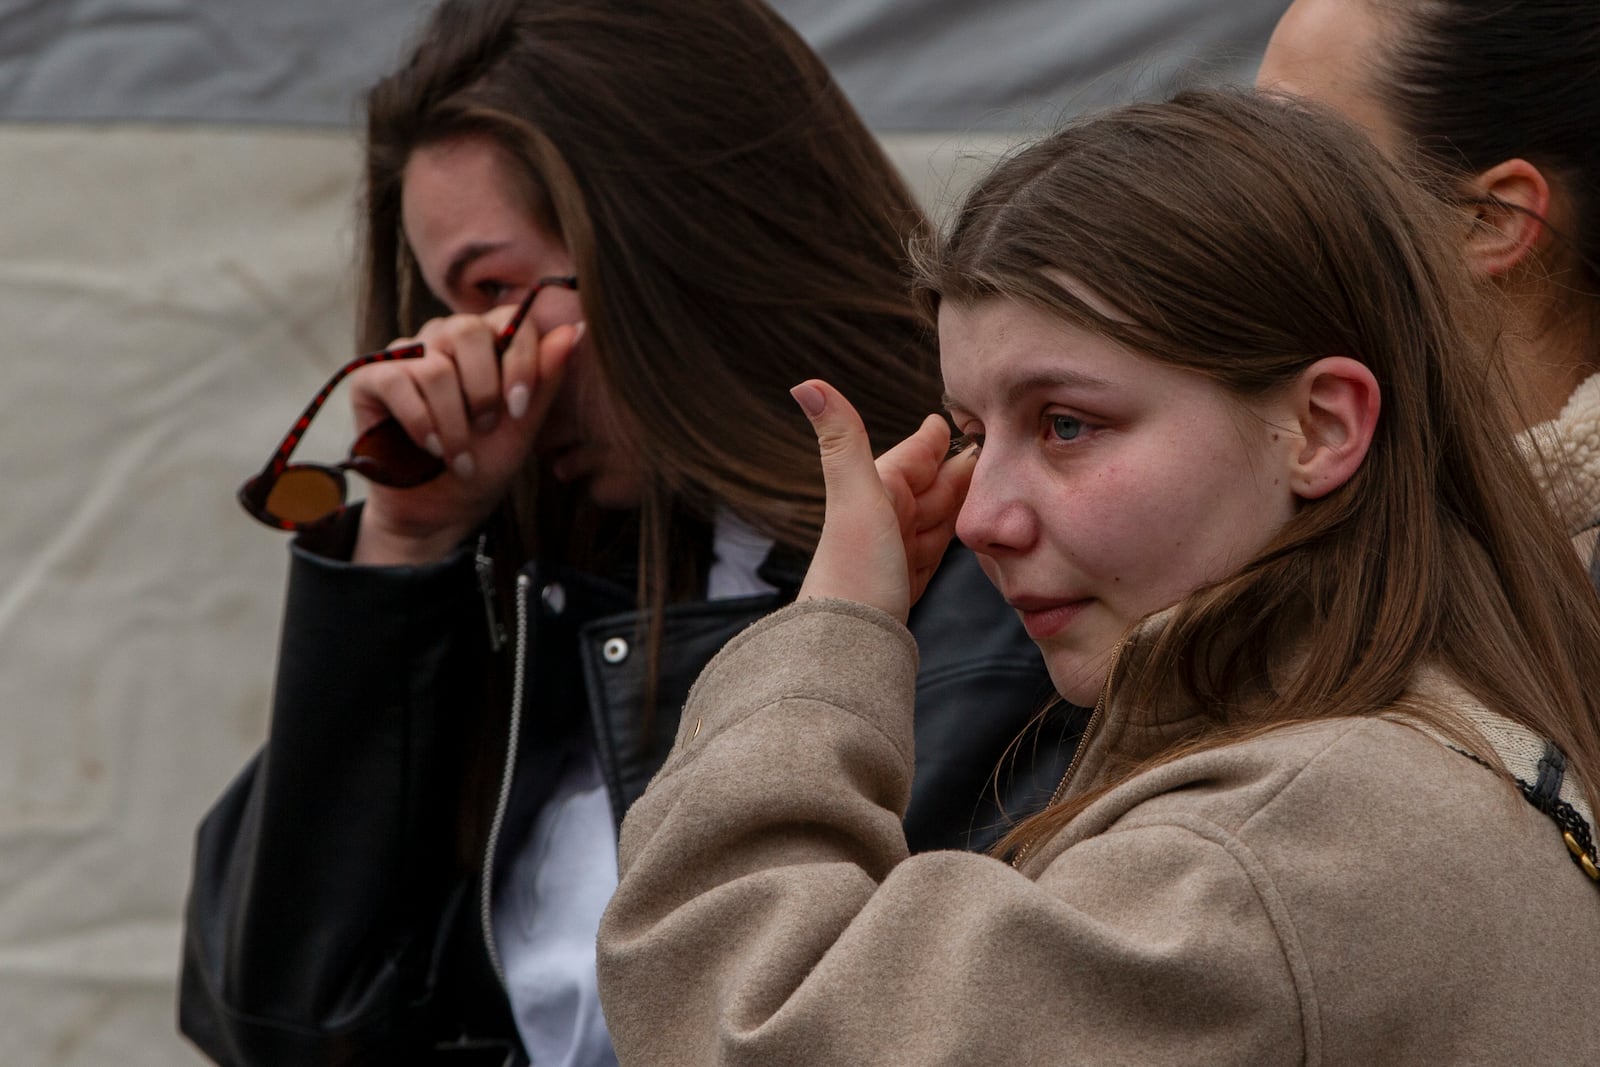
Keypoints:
(1044, 617)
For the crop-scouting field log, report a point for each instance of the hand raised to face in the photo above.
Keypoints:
(477, 410)
(888, 521)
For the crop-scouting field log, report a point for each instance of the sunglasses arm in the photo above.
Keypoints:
(291, 440)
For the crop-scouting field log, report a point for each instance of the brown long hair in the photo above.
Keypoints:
(734, 226)
(1245, 237)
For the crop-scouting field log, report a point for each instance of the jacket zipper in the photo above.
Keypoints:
(483, 563)
(1077, 754)
(518, 678)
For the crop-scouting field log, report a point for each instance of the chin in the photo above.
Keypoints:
(1078, 681)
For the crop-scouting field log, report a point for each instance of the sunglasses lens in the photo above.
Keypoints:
(305, 494)
(386, 455)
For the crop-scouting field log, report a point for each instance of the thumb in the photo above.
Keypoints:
(848, 471)
(860, 555)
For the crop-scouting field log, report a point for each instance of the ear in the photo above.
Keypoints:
(1336, 403)
(1510, 201)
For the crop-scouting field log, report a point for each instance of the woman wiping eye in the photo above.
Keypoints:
(1315, 652)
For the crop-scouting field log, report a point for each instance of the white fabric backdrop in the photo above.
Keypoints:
(169, 298)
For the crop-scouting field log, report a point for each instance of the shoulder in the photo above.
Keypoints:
(1334, 788)
(1343, 814)
(1349, 771)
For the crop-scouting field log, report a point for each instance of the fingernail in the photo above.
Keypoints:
(432, 445)
(463, 465)
(517, 400)
(579, 330)
(486, 422)
(809, 397)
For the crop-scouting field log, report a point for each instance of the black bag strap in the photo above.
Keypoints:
(1544, 793)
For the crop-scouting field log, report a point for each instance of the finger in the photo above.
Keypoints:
(519, 369)
(941, 501)
(925, 551)
(927, 489)
(469, 340)
(438, 379)
(926, 546)
(848, 472)
(917, 459)
(533, 368)
(389, 390)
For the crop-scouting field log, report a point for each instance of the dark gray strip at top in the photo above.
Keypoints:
(910, 65)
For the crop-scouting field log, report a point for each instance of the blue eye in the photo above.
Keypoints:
(1065, 427)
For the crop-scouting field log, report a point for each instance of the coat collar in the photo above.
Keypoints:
(1124, 735)
(1564, 455)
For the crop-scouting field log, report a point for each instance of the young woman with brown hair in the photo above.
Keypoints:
(1240, 466)
(1498, 102)
(480, 672)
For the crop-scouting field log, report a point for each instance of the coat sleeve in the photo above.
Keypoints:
(325, 877)
(991, 735)
(769, 914)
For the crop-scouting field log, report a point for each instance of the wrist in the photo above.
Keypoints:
(380, 544)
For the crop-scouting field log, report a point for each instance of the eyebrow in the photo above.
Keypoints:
(468, 255)
(1053, 379)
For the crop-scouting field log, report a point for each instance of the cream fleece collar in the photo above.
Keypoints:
(1564, 455)
(1518, 748)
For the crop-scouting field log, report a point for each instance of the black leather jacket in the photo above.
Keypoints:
(337, 913)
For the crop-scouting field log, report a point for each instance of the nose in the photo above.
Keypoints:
(996, 518)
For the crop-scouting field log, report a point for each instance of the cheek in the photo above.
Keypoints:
(1153, 531)
(1121, 526)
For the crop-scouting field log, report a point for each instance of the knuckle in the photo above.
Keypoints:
(432, 330)
(434, 373)
(470, 327)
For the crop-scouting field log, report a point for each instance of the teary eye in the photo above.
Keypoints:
(494, 292)
(1065, 427)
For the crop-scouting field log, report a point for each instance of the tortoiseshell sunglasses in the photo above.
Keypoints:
(291, 495)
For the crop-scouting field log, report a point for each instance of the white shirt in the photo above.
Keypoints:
(546, 915)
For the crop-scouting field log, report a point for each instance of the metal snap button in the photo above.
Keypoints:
(615, 650)
(554, 598)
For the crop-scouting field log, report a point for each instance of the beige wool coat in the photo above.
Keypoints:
(1349, 892)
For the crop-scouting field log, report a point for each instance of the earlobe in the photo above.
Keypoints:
(1510, 203)
(1337, 405)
